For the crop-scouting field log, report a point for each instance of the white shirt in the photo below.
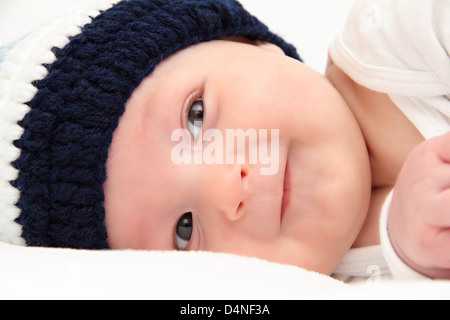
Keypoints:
(400, 48)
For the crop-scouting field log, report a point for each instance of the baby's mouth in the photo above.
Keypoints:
(286, 191)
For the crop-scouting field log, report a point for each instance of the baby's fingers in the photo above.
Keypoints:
(441, 213)
(443, 147)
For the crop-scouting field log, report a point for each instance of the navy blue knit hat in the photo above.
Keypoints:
(62, 91)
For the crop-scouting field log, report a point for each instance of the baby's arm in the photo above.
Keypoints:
(419, 218)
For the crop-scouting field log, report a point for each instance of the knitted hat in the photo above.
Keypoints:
(63, 89)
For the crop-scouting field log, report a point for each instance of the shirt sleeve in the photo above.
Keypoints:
(397, 47)
(399, 269)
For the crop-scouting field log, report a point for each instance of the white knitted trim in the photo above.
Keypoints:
(24, 65)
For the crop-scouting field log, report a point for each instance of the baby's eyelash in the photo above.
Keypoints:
(183, 238)
(194, 96)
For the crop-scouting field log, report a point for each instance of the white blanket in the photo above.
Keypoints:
(42, 273)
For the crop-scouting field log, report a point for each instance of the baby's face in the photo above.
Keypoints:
(304, 207)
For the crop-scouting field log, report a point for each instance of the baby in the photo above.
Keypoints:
(228, 143)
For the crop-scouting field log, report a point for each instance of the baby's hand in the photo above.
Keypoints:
(419, 219)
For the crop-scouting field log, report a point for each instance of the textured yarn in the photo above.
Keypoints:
(70, 126)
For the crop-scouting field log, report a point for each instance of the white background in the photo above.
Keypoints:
(310, 25)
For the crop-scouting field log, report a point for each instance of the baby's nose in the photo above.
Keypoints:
(228, 191)
(236, 213)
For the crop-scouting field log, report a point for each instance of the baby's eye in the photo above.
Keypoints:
(183, 231)
(195, 118)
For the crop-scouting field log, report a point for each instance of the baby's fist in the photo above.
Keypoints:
(419, 218)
